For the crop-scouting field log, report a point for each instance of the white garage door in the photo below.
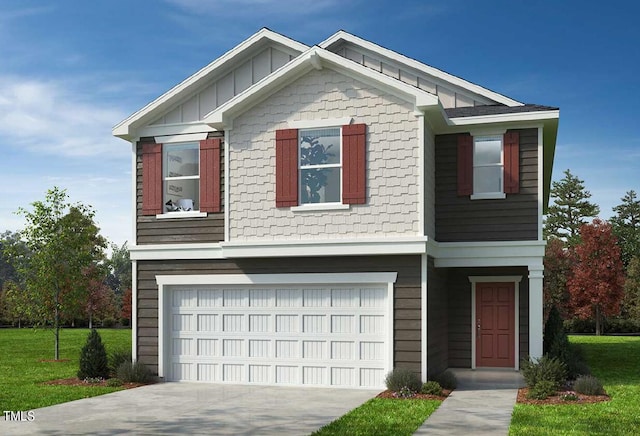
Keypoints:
(290, 335)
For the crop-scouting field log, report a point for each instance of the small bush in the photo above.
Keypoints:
(431, 388)
(447, 379)
(114, 382)
(93, 358)
(400, 378)
(93, 380)
(133, 372)
(569, 396)
(116, 358)
(404, 392)
(542, 390)
(544, 369)
(588, 385)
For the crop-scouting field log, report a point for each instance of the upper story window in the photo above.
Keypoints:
(320, 165)
(487, 166)
(181, 177)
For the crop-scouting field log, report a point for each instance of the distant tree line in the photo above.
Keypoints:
(592, 266)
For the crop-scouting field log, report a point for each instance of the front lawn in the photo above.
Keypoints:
(615, 360)
(26, 362)
(382, 416)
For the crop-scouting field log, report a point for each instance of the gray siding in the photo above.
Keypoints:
(459, 292)
(437, 319)
(458, 218)
(407, 338)
(150, 230)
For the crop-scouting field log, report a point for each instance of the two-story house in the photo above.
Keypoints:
(320, 215)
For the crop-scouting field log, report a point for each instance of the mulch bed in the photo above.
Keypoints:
(389, 394)
(74, 381)
(557, 399)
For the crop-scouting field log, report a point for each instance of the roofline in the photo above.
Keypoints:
(122, 129)
(316, 57)
(442, 75)
(505, 118)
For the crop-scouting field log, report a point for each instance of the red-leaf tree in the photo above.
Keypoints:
(557, 268)
(597, 278)
(126, 305)
(101, 300)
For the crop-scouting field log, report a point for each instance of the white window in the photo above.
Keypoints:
(181, 178)
(320, 165)
(488, 167)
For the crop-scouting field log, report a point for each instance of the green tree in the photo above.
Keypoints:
(557, 268)
(63, 240)
(93, 358)
(570, 209)
(119, 265)
(8, 272)
(631, 302)
(626, 226)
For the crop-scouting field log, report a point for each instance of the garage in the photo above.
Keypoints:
(286, 333)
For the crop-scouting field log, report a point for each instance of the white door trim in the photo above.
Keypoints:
(167, 282)
(516, 316)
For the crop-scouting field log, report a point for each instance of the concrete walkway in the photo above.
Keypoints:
(481, 405)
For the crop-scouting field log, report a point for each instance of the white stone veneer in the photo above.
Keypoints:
(392, 163)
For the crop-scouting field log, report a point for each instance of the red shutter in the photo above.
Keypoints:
(210, 175)
(151, 179)
(511, 163)
(353, 164)
(465, 164)
(286, 168)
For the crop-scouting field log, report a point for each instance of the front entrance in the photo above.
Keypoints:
(495, 325)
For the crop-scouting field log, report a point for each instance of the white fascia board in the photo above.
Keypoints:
(505, 118)
(123, 129)
(277, 279)
(174, 129)
(175, 251)
(230, 250)
(222, 117)
(432, 71)
(339, 247)
(486, 254)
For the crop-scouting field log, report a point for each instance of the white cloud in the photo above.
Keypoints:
(47, 117)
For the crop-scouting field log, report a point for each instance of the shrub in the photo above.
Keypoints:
(133, 372)
(404, 392)
(588, 385)
(93, 358)
(542, 390)
(431, 388)
(575, 361)
(116, 358)
(554, 340)
(447, 379)
(400, 378)
(114, 382)
(569, 396)
(544, 369)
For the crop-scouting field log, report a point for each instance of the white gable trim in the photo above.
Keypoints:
(125, 127)
(314, 58)
(439, 74)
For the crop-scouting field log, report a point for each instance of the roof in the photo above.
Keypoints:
(497, 109)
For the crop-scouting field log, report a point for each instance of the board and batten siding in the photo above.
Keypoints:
(459, 319)
(150, 230)
(407, 293)
(458, 218)
(437, 319)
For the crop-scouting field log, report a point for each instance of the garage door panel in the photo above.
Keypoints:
(304, 335)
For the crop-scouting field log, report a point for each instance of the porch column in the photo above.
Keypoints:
(535, 311)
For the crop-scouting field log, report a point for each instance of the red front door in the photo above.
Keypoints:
(495, 325)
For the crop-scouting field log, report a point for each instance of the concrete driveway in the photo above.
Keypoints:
(194, 408)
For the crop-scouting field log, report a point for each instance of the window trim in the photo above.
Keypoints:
(329, 205)
(496, 195)
(165, 167)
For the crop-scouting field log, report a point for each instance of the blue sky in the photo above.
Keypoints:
(71, 69)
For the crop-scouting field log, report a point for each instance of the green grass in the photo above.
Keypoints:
(615, 360)
(25, 363)
(382, 416)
